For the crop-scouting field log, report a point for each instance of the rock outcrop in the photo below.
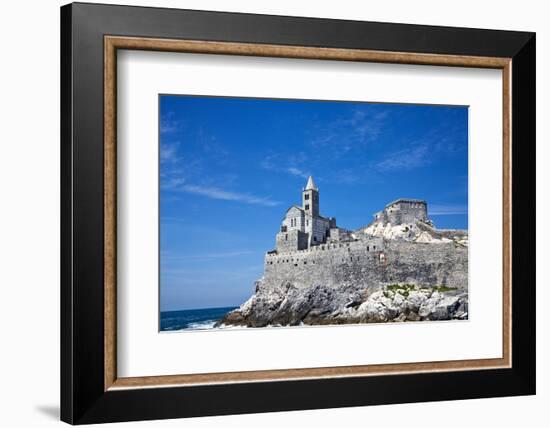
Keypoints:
(289, 305)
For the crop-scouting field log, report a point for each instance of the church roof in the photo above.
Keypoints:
(295, 206)
(310, 184)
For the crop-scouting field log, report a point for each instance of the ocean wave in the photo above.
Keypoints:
(201, 325)
(208, 325)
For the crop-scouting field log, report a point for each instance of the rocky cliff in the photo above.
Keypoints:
(288, 305)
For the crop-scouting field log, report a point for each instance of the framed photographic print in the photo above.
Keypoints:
(320, 213)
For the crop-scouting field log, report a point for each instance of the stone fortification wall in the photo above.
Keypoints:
(291, 240)
(444, 263)
(369, 263)
(339, 264)
(338, 235)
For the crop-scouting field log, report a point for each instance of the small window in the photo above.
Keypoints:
(286, 236)
(315, 239)
(307, 206)
(306, 197)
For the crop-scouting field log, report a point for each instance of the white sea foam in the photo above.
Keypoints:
(201, 325)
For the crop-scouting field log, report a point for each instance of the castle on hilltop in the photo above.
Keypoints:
(319, 272)
(303, 227)
(399, 245)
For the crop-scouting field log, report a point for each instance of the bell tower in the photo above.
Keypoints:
(310, 198)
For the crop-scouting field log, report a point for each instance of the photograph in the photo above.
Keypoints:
(291, 212)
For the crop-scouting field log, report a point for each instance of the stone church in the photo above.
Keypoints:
(304, 227)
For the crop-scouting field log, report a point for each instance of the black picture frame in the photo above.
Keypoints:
(83, 398)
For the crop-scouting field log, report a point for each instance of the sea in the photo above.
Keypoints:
(192, 319)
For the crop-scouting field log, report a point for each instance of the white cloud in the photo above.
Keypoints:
(176, 175)
(168, 152)
(406, 159)
(439, 209)
(440, 141)
(288, 166)
(169, 125)
(180, 184)
(169, 257)
(217, 193)
(297, 172)
(364, 125)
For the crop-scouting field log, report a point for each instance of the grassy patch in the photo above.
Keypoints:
(403, 289)
(443, 288)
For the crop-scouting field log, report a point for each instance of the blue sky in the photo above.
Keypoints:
(230, 167)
